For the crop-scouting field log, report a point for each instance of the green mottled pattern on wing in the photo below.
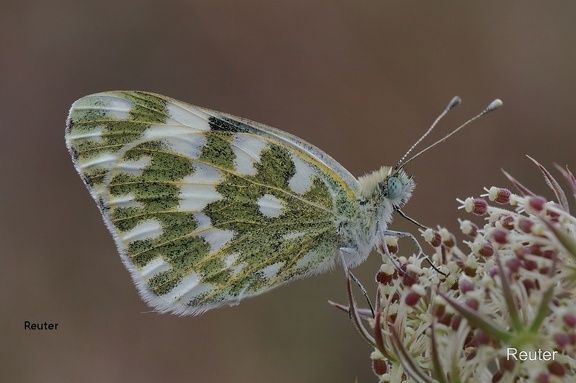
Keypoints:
(262, 251)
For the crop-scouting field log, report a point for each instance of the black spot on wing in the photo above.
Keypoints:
(221, 124)
(87, 181)
(74, 153)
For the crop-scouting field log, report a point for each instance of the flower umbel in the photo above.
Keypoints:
(501, 309)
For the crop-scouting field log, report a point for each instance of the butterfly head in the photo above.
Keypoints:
(391, 184)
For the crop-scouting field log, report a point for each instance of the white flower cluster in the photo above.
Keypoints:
(500, 307)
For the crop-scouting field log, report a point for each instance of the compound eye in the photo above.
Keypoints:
(394, 187)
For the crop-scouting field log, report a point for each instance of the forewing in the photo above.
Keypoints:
(206, 208)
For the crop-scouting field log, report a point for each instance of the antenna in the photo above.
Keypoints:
(453, 103)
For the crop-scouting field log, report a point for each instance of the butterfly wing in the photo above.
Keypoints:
(206, 208)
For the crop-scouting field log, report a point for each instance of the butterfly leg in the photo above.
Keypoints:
(393, 233)
(347, 250)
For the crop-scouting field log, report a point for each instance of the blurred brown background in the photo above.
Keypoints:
(360, 79)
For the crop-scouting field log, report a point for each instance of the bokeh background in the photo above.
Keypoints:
(360, 79)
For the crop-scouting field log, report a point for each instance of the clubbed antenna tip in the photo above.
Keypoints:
(454, 102)
(493, 105)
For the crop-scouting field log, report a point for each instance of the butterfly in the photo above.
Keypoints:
(207, 209)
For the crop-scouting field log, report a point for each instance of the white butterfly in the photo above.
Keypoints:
(207, 209)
